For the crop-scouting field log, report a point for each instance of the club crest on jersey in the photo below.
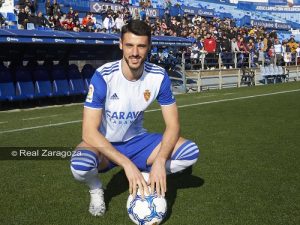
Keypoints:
(89, 97)
(147, 95)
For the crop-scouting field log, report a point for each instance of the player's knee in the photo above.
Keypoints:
(84, 164)
(188, 153)
(185, 156)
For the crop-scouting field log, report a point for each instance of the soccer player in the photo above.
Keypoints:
(112, 130)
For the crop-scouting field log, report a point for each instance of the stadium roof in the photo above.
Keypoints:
(85, 38)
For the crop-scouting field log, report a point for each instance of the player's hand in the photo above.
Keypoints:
(158, 177)
(136, 180)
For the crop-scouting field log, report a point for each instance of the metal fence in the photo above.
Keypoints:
(229, 60)
(203, 78)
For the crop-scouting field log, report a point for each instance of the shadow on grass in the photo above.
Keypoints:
(119, 184)
(116, 186)
(182, 180)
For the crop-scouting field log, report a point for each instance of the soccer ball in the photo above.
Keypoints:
(148, 211)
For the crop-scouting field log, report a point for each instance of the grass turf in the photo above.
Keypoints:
(248, 171)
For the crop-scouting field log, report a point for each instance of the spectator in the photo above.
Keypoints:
(103, 12)
(251, 49)
(58, 12)
(298, 54)
(21, 4)
(56, 8)
(76, 16)
(168, 4)
(41, 21)
(30, 5)
(49, 8)
(278, 52)
(125, 3)
(234, 46)
(292, 44)
(22, 18)
(143, 14)
(243, 51)
(109, 10)
(32, 18)
(298, 50)
(195, 53)
(71, 13)
(210, 45)
(119, 22)
(261, 56)
(109, 23)
(2, 21)
(226, 51)
(87, 21)
(271, 54)
(56, 21)
(68, 24)
(136, 15)
(97, 23)
(287, 54)
(148, 21)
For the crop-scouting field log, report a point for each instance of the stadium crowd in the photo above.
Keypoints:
(214, 39)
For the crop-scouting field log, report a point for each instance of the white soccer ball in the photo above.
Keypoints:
(148, 211)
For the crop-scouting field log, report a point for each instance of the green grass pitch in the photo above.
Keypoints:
(248, 172)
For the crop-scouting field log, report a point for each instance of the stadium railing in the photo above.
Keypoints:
(218, 79)
(247, 75)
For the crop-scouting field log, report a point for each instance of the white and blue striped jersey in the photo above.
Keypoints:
(123, 102)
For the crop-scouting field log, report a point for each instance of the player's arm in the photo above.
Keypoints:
(169, 140)
(91, 136)
(170, 137)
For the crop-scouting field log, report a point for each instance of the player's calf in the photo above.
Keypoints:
(185, 156)
(84, 166)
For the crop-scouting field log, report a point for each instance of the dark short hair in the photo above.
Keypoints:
(137, 27)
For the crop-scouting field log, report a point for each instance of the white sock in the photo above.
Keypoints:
(84, 166)
(90, 178)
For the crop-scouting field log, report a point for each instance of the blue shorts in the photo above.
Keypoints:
(137, 149)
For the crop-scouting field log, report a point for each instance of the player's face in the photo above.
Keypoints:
(135, 49)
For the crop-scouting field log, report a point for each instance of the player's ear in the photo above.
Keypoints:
(120, 44)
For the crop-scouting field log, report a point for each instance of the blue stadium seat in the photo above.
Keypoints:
(11, 17)
(7, 88)
(60, 83)
(24, 83)
(42, 82)
(76, 81)
(87, 72)
(12, 20)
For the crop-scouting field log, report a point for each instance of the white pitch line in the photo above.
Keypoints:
(41, 126)
(2, 122)
(227, 100)
(154, 110)
(40, 117)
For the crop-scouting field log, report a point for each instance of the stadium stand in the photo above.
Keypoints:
(61, 85)
(7, 88)
(87, 73)
(79, 31)
(24, 84)
(42, 81)
(77, 86)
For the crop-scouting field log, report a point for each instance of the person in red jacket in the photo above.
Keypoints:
(210, 46)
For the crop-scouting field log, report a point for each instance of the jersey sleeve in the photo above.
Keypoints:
(97, 92)
(165, 95)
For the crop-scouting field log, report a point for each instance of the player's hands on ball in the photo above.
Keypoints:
(136, 180)
(158, 177)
